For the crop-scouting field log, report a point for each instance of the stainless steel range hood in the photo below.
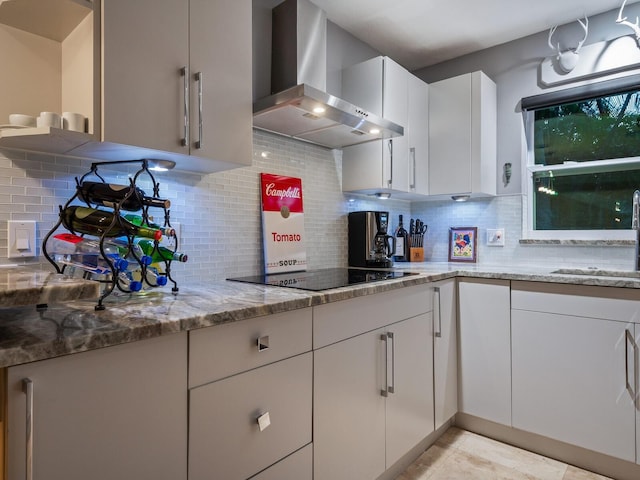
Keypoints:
(301, 108)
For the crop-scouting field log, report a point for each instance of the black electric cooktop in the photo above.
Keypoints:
(324, 279)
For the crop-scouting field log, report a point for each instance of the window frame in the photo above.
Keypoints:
(529, 105)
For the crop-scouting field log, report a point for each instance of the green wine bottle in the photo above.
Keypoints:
(100, 222)
(160, 253)
(139, 220)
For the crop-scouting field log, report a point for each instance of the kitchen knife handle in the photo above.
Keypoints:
(184, 71)
(384, 392)
(436, 292)
(392, 388)
(412, 152)
(27, 387)
(198, 78)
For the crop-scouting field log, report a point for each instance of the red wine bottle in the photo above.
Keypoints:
(402, 243)
(100, 222)
(110, 194)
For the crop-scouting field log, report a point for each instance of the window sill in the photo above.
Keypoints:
(580, 243)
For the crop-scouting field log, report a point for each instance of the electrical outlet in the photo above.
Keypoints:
(495, 237)
(170, 242)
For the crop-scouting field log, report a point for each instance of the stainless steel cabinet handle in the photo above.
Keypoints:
(390, 181)
(198, 78)
(27, 387)
(392, 388)
(412, 152)
(438, 333)
(629, 340)
(184, 71)
(263, 343)
(264, 420)
(384, 392)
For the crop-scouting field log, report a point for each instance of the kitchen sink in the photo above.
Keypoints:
(598, 272)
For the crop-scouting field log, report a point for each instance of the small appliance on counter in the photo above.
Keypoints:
(369, 243)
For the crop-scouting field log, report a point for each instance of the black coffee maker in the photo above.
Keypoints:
(369, 243)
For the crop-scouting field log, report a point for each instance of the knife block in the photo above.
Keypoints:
(416, 254)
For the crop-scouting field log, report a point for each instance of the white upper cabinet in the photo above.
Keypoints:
(462, 136)
(398, 165)
(378, 85)
(169, 80)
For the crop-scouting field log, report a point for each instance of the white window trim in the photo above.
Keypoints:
(531, 168)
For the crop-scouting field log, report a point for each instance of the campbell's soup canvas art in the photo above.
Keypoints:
(282, 224)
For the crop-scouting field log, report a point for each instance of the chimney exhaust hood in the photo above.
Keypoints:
(302, 109)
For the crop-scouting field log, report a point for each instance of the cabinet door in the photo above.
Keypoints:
(485, 350)
(225, 439)
(450, 133)
(220, 51)
(636, 380)
(409, 409)
(445, 351)
(349, 410)
(569, 381)
(117, 412)
(395, 100)
(145, 44)
(363, 167)
(418, 135)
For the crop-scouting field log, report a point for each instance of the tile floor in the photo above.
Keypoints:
(459, 454)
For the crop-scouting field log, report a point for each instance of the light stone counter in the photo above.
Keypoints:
(70, 324)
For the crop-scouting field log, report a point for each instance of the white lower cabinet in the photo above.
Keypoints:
(117, 412)
(250, 398)
(373, 390)
(575, 365)
(485, 349)
(445, 351)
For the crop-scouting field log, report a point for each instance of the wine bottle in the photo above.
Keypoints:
(68, 243)
(99, 222)
(402, 243)
(110, 194)
(139, 220)
(126, 282)
(93, 263)
(159, 253)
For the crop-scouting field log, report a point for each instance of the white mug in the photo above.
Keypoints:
(73, 121)
(23, 120)
(49, 119)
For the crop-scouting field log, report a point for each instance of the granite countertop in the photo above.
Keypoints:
(70, 324)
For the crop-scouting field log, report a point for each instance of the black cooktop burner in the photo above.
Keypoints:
(324, 279)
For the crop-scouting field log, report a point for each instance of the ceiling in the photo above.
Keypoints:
(418, 33)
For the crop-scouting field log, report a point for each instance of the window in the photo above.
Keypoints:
(584, 160)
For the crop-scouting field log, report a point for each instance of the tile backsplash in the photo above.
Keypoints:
(220, 213)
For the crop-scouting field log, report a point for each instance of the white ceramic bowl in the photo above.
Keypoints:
(22, 120)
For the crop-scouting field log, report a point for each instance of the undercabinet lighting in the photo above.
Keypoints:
(383, 195)
(158, 165)
(318, 110)
(460, 198)
(374, 131)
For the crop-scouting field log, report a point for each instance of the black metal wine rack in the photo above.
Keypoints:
(114, 281)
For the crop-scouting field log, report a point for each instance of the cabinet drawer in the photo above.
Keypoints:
(298, 466)
(224, 350)
(578, 300)
(225, 440)
(336, 321)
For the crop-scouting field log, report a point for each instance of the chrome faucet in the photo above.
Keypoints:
(635, 224)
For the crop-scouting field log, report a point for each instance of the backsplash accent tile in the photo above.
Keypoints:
(220, 213)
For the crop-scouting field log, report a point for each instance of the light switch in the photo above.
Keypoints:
(22, 238)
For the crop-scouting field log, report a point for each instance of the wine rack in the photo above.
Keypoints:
(118, 279)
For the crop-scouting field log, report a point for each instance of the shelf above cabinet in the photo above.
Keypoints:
(52, 19)
(42, 139)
